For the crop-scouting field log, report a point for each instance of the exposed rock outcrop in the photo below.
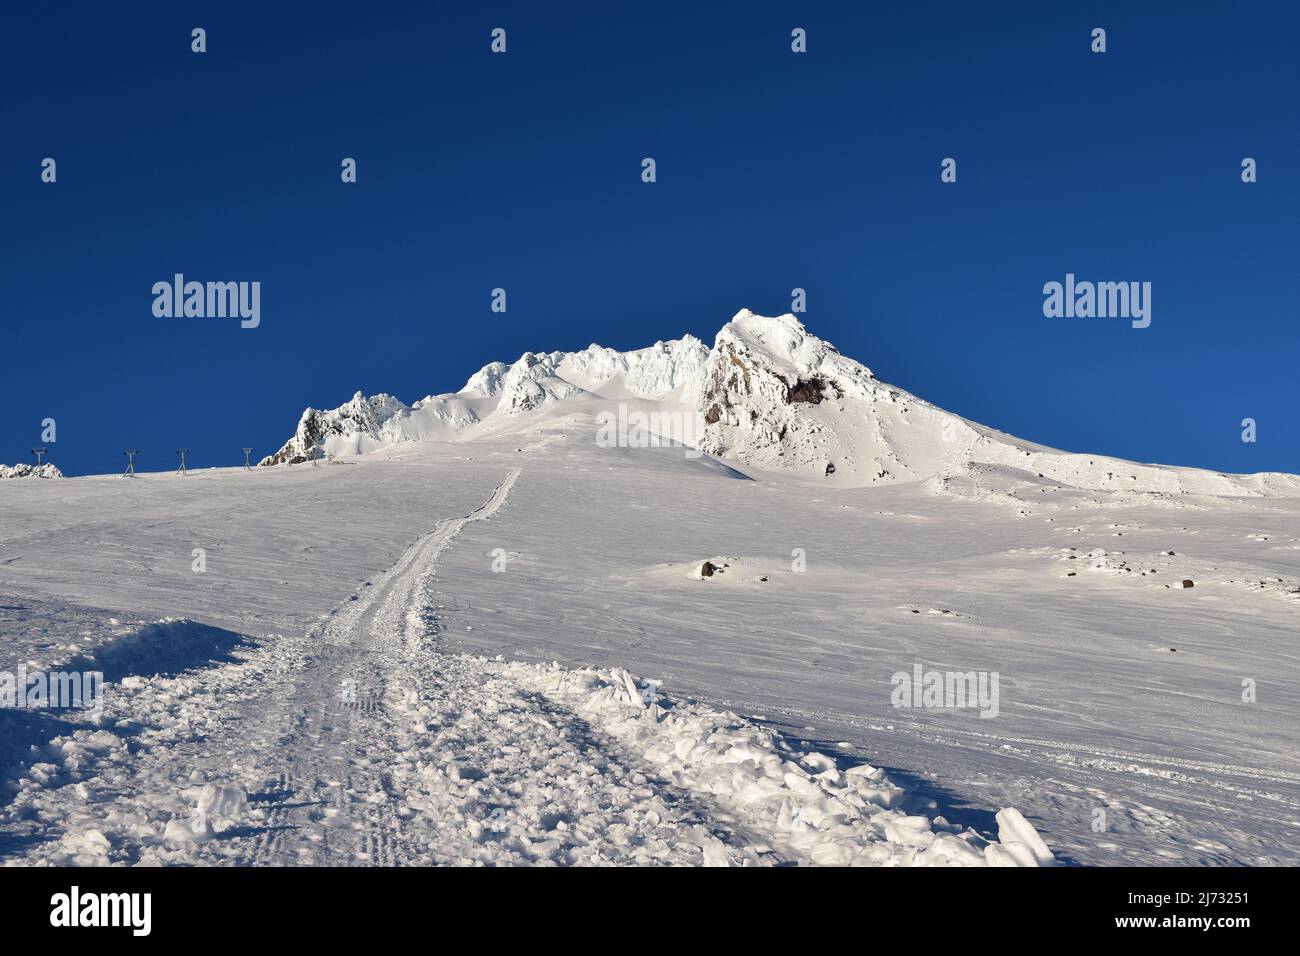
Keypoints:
(20, 470)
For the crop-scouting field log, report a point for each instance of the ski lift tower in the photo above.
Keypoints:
(248, 465)
(130, 461)
(39, 453)
(183, 452)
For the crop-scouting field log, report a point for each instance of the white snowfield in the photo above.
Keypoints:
(424, 652)
(361, 741)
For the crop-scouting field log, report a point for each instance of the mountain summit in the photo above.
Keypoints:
(770, 396)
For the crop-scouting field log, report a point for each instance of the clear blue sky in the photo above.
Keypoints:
(775, 170)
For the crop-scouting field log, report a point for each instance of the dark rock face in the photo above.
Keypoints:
(744, 370)
(310, 433)
(809, 391)
(1188, 583)
(707, 569)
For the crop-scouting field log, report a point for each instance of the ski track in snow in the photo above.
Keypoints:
(361, 743)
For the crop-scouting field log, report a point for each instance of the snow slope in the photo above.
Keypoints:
(423, 651)
(362, 740)
(768, 395)
(1119, 694)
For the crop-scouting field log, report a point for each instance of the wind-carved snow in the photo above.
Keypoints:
(769, 395)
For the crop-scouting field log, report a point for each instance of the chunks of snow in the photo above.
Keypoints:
(226, 802)
(86, 847)
(795, 806)
(1018, 837)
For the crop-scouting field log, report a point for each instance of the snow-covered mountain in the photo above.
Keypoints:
(437, 641)
(666, 373)
(768, 395)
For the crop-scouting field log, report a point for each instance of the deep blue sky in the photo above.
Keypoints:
(775, 170)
